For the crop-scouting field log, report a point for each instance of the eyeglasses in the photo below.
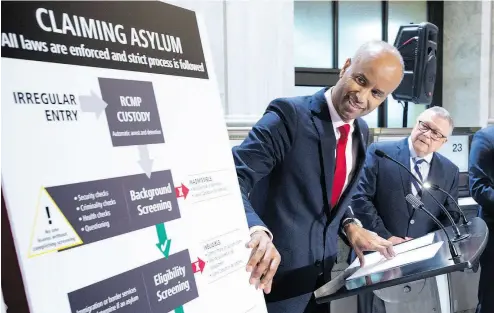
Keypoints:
(423, 127)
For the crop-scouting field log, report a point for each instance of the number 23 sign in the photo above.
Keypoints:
(456, 149)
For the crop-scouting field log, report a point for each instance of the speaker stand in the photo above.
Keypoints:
(405, 114)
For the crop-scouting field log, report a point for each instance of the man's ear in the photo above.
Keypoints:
(347, 64)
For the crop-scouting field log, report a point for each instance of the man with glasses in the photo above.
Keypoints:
(379, 202)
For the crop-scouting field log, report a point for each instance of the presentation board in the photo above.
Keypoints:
(117, 170)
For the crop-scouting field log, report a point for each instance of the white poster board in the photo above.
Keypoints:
(117, 170)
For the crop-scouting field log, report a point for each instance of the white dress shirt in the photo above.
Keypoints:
(424, 167)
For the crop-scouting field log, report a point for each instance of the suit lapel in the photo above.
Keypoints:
(324, 126)
(403, 156)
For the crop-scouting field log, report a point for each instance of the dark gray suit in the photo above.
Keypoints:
(380, 204)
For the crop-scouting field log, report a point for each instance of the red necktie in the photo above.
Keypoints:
(340, 170)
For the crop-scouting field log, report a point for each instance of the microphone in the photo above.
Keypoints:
(458, 235)
(428, 185)
(417, 204)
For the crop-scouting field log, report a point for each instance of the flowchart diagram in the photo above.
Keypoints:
(81, 213)
(96, 210)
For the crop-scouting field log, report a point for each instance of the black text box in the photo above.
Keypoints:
(151, 200)
(132, 112)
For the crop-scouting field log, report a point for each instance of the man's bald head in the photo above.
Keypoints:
(378, 49)
(374, 72)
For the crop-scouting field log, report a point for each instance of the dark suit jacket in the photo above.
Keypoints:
(481, 172)
(285, 169)
(380, 198)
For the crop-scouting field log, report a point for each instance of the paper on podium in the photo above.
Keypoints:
(406, 253)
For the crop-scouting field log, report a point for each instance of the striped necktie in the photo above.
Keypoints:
(417, 162)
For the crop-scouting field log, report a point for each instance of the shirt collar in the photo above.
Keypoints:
(413, 154)
(335, 117)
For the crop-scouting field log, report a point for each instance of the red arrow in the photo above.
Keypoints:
(198, 266)
(181, 191)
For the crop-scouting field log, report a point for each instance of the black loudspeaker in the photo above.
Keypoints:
(417, 44)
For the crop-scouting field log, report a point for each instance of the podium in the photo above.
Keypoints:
(441, 263)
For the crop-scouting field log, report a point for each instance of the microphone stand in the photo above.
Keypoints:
(436, 187)
(417, 204)
(458, 235)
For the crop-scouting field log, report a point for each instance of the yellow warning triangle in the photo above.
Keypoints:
(51, 231)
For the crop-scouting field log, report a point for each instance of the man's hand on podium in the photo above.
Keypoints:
(396, 240)
(264, 260)
(363, 240)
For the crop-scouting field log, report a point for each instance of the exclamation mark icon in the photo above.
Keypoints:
(48, 213)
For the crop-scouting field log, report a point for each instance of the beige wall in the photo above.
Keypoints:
(468, 87)
(251, 43)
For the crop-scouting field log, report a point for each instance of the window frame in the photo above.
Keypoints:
(320, 77)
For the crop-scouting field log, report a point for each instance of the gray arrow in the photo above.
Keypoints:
(92, 103)
(144, 161)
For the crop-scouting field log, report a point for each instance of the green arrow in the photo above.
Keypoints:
(164, 243)
(180, 309)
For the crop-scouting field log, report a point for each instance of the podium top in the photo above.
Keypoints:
(469, 249)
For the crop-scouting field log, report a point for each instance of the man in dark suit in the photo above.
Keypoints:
(296, 170)
(379, 201)
(481, 173)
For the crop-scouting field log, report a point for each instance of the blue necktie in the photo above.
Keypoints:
(417, 170)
